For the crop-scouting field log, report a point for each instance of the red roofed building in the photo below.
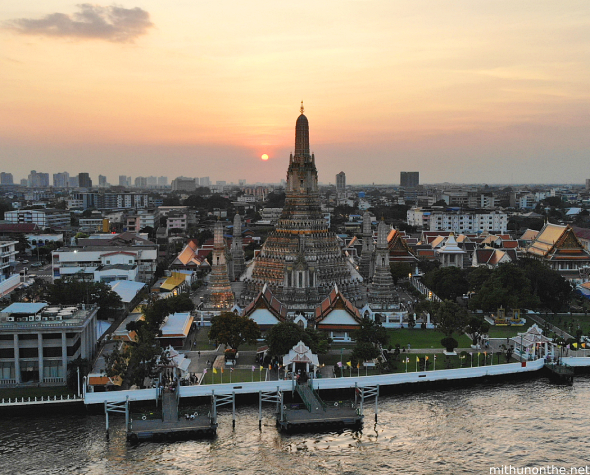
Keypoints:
(559, 248)
(337, 316)
(266, 310)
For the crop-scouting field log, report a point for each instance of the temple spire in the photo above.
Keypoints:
(302, 135)
(301, 108)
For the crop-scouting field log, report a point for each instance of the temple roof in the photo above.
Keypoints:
(555, 242)
(333, 301)
(265, 299)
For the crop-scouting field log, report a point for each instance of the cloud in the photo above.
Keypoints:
(112, 23)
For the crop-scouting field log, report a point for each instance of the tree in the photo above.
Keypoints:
(233, 330)
(450, 318)
(476, 328)
(74, 291)
(400, 270)
(477, 277)
(144, 355)
(447, 282)
(509, 287)
(84, 366)
(449, 343)
(284, 336)
(552, 289)
(364, 351)
(371, 332)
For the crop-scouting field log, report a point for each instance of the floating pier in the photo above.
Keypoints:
(561, 373)
(168, 423)
(313, 413)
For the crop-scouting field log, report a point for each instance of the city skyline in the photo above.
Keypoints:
(493, 92)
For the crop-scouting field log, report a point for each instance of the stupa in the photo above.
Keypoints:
(301, 260)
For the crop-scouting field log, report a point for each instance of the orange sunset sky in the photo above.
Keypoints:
(486, 91)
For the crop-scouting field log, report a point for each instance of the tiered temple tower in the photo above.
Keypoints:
(220, 294)
(367, 257)
(237, 249)
(381, 290)
(301, 260)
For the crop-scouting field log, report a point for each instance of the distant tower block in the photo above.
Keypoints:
(409, 179)
(382, 290)
(237, 248)
(220, 294)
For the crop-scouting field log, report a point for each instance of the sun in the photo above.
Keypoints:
(264, 156)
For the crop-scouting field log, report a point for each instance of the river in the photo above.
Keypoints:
(462, 431)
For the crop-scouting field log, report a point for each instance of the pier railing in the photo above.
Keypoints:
(301, 391)
(39, 399)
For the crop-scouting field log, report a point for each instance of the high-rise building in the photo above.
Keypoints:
(184, 184)
(204, 181)
(73, 182)
(102, 181)
(122, 180)
(341, 182)
(84, 180)
(152, 181)
(38, 180)
(301, 261)
(141, 182)
(24, 182)
(61, 180)
(409, 179)
(162, 181)
(242, 182)
(587, 184)
(6, 178)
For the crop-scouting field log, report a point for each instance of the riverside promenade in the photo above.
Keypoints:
(383, 380)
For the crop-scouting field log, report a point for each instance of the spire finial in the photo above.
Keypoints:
(302, 109)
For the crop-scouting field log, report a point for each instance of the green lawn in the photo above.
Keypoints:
(202, 340)
(508, 331)
(418, 338)
(442, 362)
(569, 323)
(35, 392)
(237, 376)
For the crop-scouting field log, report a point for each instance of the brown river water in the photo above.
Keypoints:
(459, 431)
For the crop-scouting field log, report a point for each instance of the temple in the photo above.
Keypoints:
(382, 293)
(301, 261)
(220, 295)
(559, 248)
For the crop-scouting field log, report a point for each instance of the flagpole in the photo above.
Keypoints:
(407, 364)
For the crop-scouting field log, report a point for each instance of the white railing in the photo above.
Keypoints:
(5, 382)
(53, 380)
(328, 383)
(37, 400)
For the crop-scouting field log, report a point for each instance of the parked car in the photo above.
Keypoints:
(37, 264)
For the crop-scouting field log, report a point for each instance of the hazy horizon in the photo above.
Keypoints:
(463, 92)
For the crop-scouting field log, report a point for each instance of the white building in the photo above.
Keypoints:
(7, 256)
(44, 218)
(38, 341)
(106, 263)
(458, 222)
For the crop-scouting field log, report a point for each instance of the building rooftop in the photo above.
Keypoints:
(40, 315)
(176, 325)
